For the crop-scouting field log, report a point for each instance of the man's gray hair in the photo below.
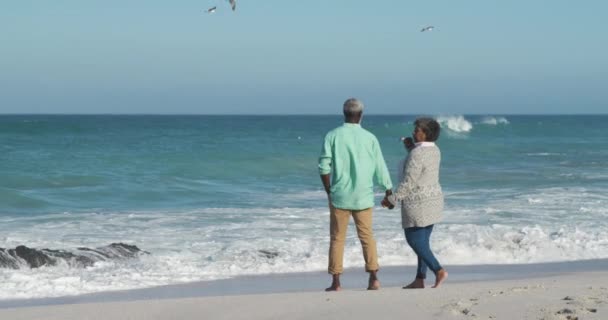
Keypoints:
(352, 107)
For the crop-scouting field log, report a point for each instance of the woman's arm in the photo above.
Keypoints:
(413, 170)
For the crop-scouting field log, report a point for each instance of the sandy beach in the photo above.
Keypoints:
(573, 290)
(228, 159)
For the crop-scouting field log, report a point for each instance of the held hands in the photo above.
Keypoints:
(385, 203)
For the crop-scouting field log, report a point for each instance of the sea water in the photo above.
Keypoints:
(212, 197)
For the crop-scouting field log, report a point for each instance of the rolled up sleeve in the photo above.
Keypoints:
(326, 157)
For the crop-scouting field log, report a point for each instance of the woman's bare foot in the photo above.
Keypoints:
(418, 283)
(440, 278)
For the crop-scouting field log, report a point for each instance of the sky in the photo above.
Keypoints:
(303, 56)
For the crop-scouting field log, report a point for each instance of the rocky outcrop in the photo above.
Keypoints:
(25, 257)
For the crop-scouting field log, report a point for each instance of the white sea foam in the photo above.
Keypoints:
(543, 154)
(494, 120)
(457, 124)
(481, 227)
(535, 200)
(206, 259)
(305, 195)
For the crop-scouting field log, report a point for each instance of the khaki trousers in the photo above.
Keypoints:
(337, 231)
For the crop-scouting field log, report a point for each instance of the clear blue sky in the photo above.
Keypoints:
(303, 57)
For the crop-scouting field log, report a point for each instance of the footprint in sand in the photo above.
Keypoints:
(461, 308)
(566, 311)
(578, 306)
(568, 314)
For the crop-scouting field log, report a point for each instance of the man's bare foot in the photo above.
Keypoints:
(418, 283)
(440, 278)
(335, 283)
(373, 285)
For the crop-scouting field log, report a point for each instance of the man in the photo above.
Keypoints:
(352, 156)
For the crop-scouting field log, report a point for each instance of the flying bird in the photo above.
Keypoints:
(429, 28)
(233, 4)
(211, 10)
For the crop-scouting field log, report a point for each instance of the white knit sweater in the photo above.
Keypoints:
(419, 190)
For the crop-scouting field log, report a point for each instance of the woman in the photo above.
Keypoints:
(421, 198)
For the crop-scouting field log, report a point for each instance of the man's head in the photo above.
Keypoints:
(353, 109)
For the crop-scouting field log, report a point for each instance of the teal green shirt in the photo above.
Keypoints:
(353, 157)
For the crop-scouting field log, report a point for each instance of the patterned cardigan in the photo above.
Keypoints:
(419, 190)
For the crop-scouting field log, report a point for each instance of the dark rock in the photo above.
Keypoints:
(70, 258)
(269, 254)
(82, 257)
(33, 257)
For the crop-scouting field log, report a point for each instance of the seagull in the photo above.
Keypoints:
(429, 28)
(211, 10)
(233, 4)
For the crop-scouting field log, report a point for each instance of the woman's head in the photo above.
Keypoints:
(426, 129)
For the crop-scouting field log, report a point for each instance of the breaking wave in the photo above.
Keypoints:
(456, 124)
(494, 120)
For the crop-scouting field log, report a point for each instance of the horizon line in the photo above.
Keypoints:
(299, 114)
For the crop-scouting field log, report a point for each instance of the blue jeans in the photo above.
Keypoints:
(418, 238)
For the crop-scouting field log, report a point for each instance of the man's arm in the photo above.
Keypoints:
(382, 176)
(325, 160)
(326, 183)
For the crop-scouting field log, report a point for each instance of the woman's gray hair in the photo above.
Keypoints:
(352, 107)
(430, 127)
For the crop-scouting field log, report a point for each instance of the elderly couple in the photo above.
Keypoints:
(349, 163)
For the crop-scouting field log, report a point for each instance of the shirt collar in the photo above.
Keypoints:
(425, 144)
(348, 124)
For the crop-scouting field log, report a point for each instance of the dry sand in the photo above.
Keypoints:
(579, 295)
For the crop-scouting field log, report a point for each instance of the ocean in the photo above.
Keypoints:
(110, 202)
